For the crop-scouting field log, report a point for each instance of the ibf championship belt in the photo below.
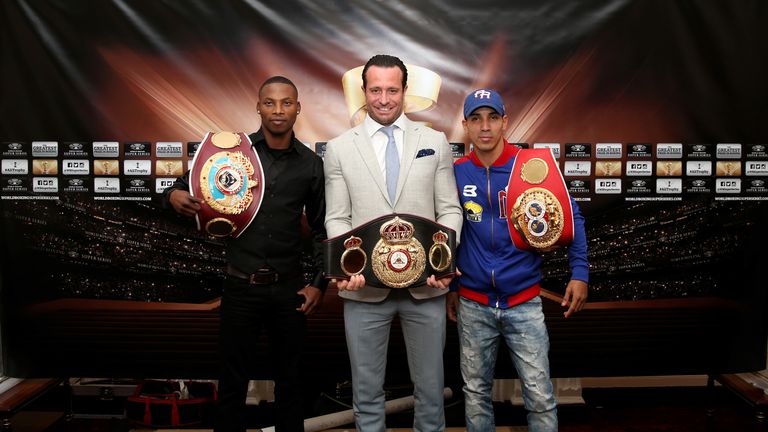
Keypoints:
(227, 175)
(390, 252)
(539, 213)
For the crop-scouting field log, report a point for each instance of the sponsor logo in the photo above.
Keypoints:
(168, 149)
(555, 147)
(75, 167)
(45, 166)
(756, 168)
(76, 149)
(169, 168)
(728, 151)
(473, 211)
(607, 186)
(577, 168)
(137, 167)
(161, 184)
(669, 168)
(608, 150)
(45, 184)
(76, 185)
(639, 168)
(106, 185)
(727, 185)
(15, 166)
(698, 185)
(192, 147)
(106, 167)
(638, 150)
(580, 150)
(45, 148)
(14, 149)
(698, 168)
(728, 168)
(457, 149)
(607, 168)
(578, 186)
(669, 150)
(137, 186)
(106, 149)
(669, 186)
(698, 151)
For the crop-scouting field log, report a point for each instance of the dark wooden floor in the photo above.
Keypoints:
(670, 409)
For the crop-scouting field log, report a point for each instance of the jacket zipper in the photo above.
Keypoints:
(490, 214)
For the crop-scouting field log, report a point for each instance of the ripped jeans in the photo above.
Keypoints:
(522, 328)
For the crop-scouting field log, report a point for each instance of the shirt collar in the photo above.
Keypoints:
(372, 126)
(258, 139)
(508, 153)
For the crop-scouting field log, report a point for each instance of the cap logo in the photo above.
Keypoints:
(482, 94)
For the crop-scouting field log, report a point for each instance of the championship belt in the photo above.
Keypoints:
(227, 175)
(390, 252)
(539, 213)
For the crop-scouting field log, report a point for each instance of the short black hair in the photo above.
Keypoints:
(384, 60)
(279, 80)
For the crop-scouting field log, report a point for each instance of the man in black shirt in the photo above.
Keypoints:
(271, 248)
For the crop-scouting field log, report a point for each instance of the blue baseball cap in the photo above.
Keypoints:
(483, 98)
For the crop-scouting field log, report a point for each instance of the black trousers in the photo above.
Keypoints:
(246, 311)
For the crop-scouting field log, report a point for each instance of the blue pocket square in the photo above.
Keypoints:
(425, 152)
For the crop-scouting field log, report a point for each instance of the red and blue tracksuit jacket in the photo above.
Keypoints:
(494, 271)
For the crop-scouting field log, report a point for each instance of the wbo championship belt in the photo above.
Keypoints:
(539, 213)
(227, 175)
(390, 252)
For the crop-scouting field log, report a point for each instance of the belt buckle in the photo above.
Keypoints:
(263, 277)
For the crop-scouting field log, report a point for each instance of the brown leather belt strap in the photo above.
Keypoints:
(263, 276)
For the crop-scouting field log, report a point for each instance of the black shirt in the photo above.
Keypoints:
(293, 183)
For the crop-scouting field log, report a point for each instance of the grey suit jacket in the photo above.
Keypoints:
(356, 192)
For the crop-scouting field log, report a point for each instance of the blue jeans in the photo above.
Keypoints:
(525, 334)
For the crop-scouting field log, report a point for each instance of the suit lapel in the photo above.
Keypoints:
(365, 148)
(410, 146)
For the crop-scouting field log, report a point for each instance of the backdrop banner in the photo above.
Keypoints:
(654, 110)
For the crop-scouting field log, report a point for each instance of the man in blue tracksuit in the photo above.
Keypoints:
(497, 293)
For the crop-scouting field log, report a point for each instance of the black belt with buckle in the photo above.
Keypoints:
(392, 251)
(262, 276)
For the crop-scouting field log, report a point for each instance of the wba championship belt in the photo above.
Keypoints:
(227, 175)
(393, 251)
(539, 213)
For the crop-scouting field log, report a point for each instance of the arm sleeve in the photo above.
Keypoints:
(447, 208)
(181, 183)
(577, 252)
(338, 213)
(315, 211)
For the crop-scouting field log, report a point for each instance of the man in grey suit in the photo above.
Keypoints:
(385, 165)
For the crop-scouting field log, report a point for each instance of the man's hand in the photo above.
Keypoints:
(452, 305)
(442, 283)
(313, 297)
(576, 295)
(184, 203)
(353, 284)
